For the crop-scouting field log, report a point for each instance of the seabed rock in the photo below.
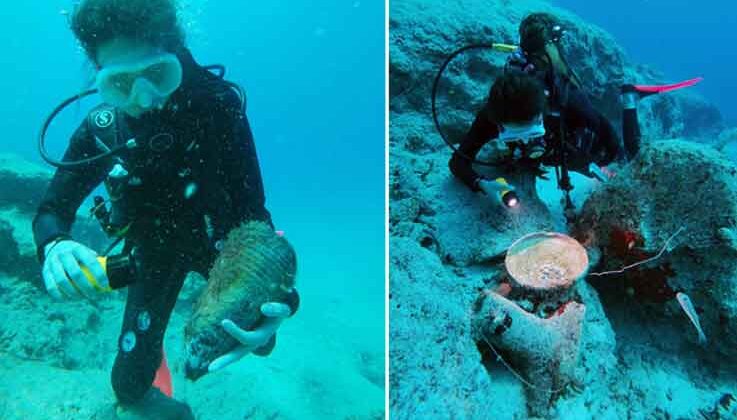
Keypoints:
(67, 339)
(679, 198)
(436, 369)
(22, 185)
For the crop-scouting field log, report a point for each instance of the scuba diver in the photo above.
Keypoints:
(174, 148)
(540, 112)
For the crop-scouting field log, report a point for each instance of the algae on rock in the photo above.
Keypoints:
(676, 189)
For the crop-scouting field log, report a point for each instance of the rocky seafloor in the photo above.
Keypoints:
(637, 355)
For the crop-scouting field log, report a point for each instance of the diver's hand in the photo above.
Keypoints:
(493, 187)
(274, 312)
(62, 270)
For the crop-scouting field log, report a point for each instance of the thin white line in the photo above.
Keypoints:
(517, 374)
(386, 209)
(662, 251)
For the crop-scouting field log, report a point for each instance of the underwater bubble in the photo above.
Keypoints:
(190, 190)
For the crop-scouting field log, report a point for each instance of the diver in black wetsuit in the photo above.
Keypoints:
(185, 173)
(515, 114)
(537, 108)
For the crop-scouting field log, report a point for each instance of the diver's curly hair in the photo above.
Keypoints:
(95, 22)
(516, 97)
(535, 31)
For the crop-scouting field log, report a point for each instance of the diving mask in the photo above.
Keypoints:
(524, 132)
(139, 86)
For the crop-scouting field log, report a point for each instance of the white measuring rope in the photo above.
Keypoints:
(659, 254)
(517, 374)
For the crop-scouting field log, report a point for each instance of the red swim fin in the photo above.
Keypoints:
(163, 377)
(667, 88)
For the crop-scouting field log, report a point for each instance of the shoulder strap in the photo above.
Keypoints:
(103, 122)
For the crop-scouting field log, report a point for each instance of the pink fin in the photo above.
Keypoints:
(668, 88)
(279, 233)
(163, 377)
(608, 172)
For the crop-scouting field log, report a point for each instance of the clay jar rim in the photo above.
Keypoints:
(518, 274)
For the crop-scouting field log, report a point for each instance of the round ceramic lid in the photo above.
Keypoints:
(546, 260)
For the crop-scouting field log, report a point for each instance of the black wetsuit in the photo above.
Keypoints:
(194, 176)
(589, 136)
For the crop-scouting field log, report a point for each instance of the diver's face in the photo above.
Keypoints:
(136, 77)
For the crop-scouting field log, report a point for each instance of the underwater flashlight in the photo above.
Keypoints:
(121, 271)
(508, 196)
(510, 199)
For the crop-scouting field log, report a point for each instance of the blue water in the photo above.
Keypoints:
(683, 38)
(315, 79)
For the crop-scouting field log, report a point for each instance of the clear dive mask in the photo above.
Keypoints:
(140, 86)
(217, 70)
(524, 140)
(522, 132)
